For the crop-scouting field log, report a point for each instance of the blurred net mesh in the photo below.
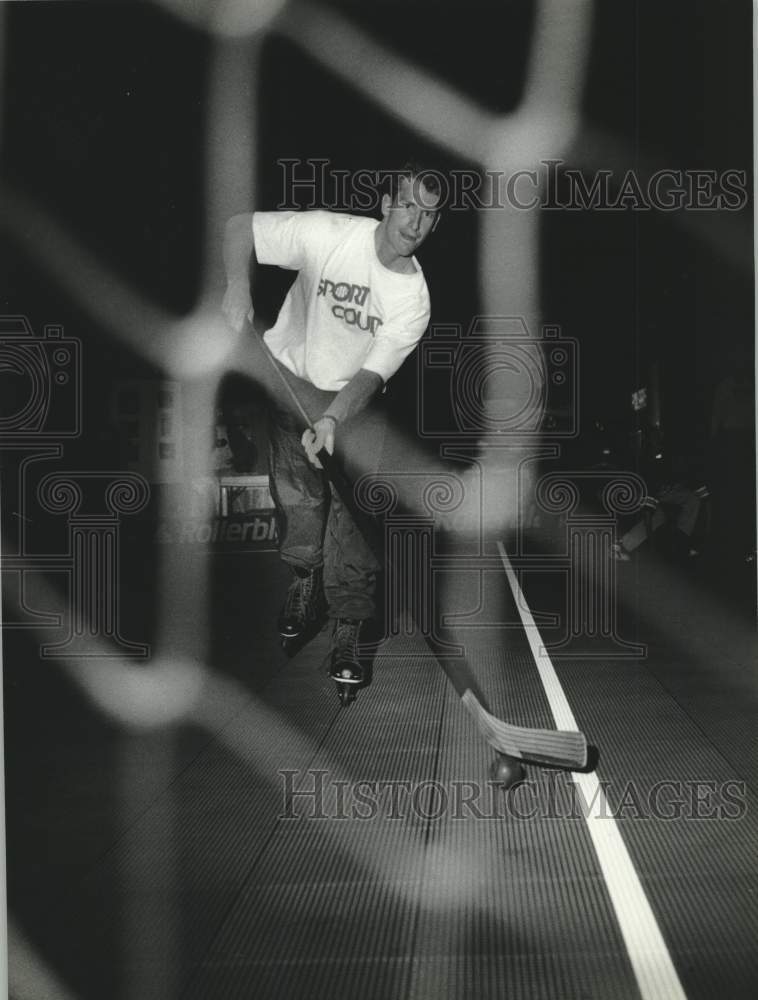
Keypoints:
(199, 349)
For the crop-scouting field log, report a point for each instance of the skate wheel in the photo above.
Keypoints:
(346, 694)
(507, 772)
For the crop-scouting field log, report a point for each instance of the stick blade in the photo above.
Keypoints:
(548, 747)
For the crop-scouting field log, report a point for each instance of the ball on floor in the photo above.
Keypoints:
(507, 772)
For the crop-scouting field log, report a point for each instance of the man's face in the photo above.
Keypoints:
(410, 218)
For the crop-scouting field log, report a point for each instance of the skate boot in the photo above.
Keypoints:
(304, 608)
(345, 666)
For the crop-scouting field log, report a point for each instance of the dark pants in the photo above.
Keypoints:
(314, 525)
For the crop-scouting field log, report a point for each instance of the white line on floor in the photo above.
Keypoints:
(653, 967)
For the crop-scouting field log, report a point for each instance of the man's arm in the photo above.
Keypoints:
(389, 351)
(237, 252)
(355, 396)
(350, 400)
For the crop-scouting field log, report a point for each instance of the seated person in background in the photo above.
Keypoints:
(676, 488)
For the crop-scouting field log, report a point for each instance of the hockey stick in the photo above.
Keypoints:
(548, 747)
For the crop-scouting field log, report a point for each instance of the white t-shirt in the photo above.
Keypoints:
(345, 310)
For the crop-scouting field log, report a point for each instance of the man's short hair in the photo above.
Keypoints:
(432, 179)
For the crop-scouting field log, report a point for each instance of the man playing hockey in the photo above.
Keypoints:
(356, 310)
